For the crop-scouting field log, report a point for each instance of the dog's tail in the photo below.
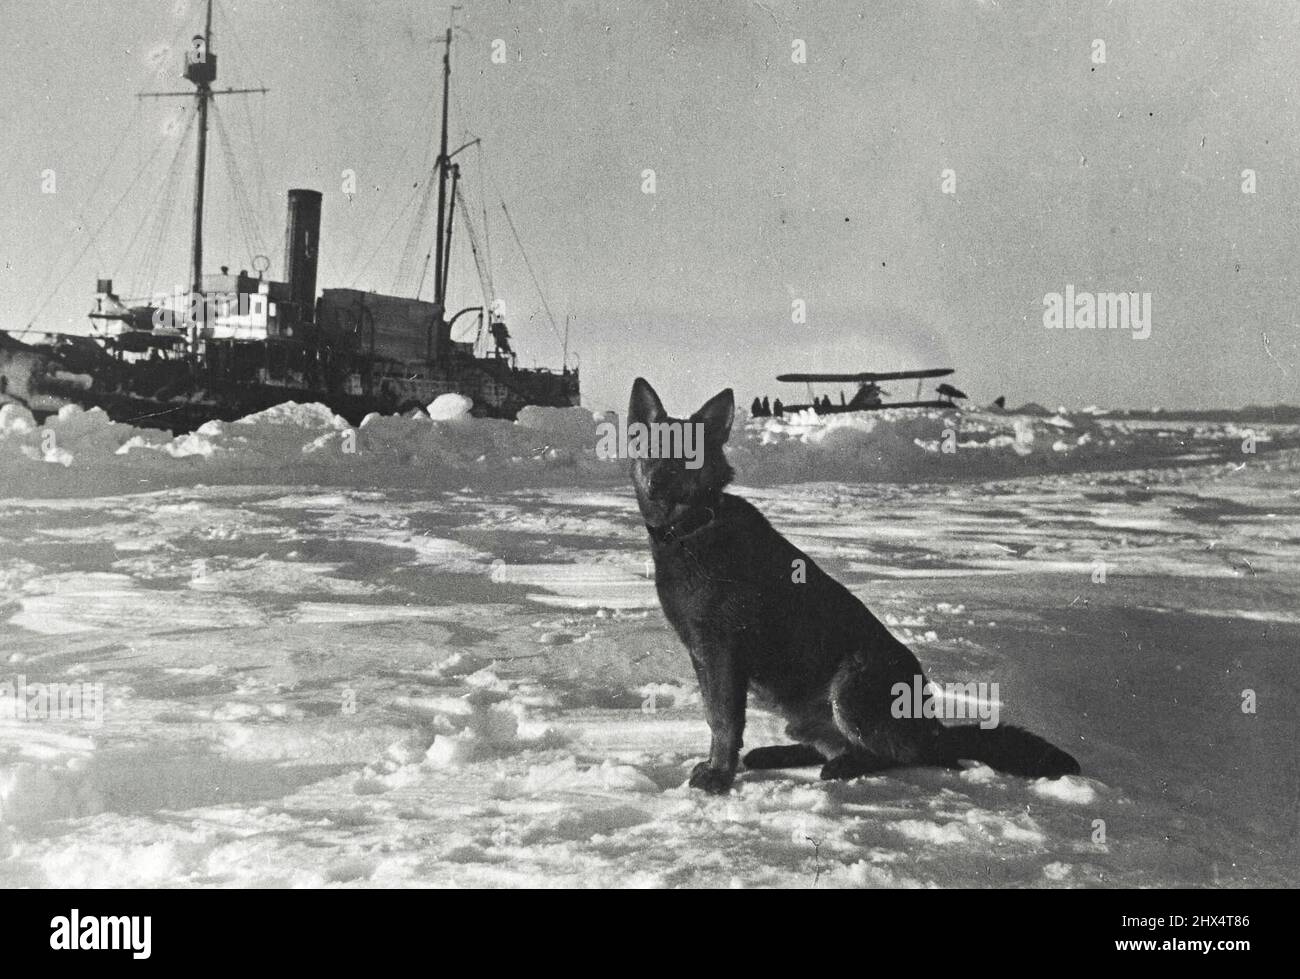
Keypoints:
(1008, 749)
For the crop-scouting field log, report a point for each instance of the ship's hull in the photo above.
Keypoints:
(234, 380)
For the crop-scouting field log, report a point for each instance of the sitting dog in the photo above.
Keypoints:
(756, 613)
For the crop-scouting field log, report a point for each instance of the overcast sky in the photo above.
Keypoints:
(775, 181)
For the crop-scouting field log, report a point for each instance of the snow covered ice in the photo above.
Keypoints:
(428, 652)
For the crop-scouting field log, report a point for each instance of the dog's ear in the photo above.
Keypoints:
(717, 415)
(645, 406)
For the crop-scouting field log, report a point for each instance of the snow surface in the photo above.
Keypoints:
(428, 652)
(80, 452)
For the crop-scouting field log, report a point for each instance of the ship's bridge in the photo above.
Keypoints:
(232, 306)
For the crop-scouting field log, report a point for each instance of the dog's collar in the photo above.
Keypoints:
(696, 519)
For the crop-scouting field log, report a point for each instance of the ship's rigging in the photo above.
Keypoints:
(200, 129)
(149, 245)
(228, 343)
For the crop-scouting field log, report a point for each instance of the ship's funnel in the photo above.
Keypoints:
(301, 249)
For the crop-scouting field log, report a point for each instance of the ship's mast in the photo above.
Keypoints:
(203, 82)
(439, 278)
(201, 71)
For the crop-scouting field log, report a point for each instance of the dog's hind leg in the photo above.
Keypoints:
(878, 737)
(784, 756)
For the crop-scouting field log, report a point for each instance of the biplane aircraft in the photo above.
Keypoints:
(870, 394)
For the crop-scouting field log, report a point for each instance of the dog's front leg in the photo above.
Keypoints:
(723, 687)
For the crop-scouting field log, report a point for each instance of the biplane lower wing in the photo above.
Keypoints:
(877, 406)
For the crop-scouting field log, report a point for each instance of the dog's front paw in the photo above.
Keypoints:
(715, 781)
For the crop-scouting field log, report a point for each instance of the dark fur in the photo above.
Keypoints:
(811, 650)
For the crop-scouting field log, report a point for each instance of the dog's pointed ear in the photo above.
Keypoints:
(645, 406)
(717, 415)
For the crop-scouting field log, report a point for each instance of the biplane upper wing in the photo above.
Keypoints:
(865, 377)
